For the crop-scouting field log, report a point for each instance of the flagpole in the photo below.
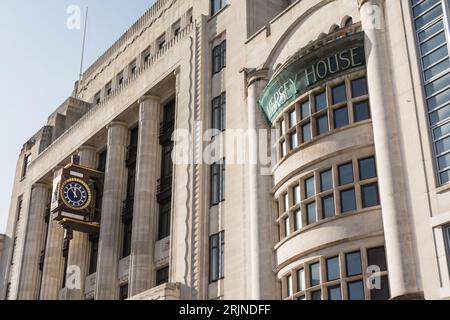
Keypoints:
(83, 45)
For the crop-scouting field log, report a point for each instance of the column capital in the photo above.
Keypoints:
(42, 185)
(116, 124)
(363, 2)
(147, 97)
(255, 75)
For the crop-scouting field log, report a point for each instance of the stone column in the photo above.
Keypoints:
(142, 243)
(79, 247)
(52, 274)
(29, 279)
(260, 208)
(113, 195)
(396, 220)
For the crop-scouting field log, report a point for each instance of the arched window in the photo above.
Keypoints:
(348, 22)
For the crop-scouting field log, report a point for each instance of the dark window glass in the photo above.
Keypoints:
(306, 109)
(309, 188)
(164, 221)
(370, 196)
(314, 270)
(94, 256)
(340, 118)
(128, 228)
(217, 183)
(316, 295)
(162, 276)
(301, 280)
(219, 109)
(334, 293)
(321, 101)
(345, 174)
(216, 5)
(333, 270)
(102, 161)
(219, 57)
(353, 261)
(322, 125)
(359, 87)
(293, 140)
(348, 201)
(311, 213)
(356, 291)
(123, 292)
(292, 118)
(377, 257)
(361, 111)
(339, 94)
(381, 293)
(306, 132)
(216, 256)
(326, 180)
(367, 168)
(328, 207)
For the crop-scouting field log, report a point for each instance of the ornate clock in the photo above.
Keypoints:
(76, 194)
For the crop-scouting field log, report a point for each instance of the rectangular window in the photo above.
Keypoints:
(311, 213)
(353, 262)
(161, 42)
(301, 280)
(328, 207)
(359, 87)
(289, 289)
(306, 109)
(321, 101)
(296, 192)
(219, 57)
(127, 230)
(326, 180)
(286, 202)
(346, 174)
(348, 201)
(146, 55)
(133, 68)
(176, 28)
(333, 270)
(298, 219)
(120, 78)
(309, 188)
(367, 169)
(287, 227)
(370, 197)
(219, 112)
(162, 276)
(26, 164)
(322, 125)
(293, 140)
(283, 149)
(381, 293)
(314, 271)
(217, 182)
(164, 221)
(123, 292)
(340, 117)
(316, 295)
(216, 256)
(97, 98)
(356, 290)
(94, 255)
(306, 132)
(339, 94)
(361, 111)
(334, 293)
(108, 89)
(292, 119)
(377, 257)
(216, 5)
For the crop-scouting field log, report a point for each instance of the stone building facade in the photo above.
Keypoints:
(355, 203)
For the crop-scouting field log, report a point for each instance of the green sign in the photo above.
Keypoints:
(304, 74)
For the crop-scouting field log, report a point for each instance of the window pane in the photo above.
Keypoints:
(283, 127)
(377, 257)
(340, 118)
(443, 145)
(322, 125)
(367, 169)
(346, 174)
(316, 295)
(383, 292)
(435, 56)
(348, 201)
(311, 213)
(214, 258)
(334, 293)
(424, 6)
(328, 207)
(326, 180)
(333, 270)
(437, 85)
(356, 291)
(438, 100)
(290, 292)
(442, 131)
(301, 280)
(286, 202)
(339, 94)
(314, 270)
(306, 110)
(283, 149)
(293, 140)
(353, 261)
(370, 195)
(309, 188)
(445, 177)
(432, 43)
(428, 17)
(162, 276)
(361, 111)
(306, 132)
(292, 119)
(437, 69)
(321, 101)
(296, 192)
(359, 87)
(431, 30)
(287, 227)
(298, 220)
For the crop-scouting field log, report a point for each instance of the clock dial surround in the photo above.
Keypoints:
(76, 194)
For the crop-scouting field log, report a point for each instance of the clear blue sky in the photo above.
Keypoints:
(39, 63)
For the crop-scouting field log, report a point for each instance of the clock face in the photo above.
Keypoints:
(76, 194)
